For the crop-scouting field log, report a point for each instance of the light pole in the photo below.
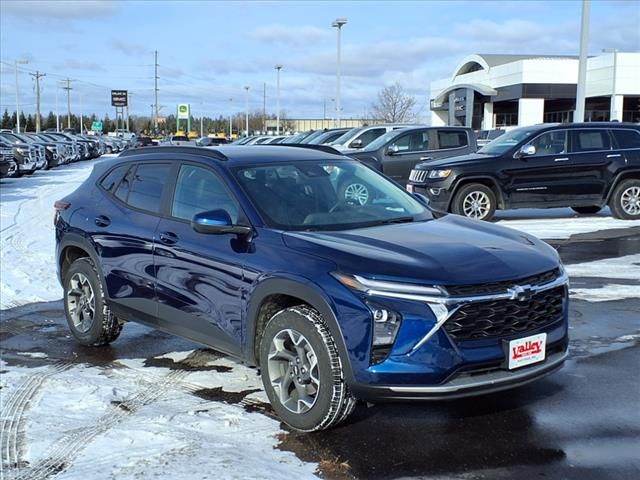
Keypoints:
(338, 23)
(278, 68)
(613, 114)
(230, 119)
(21, 62)
(247, 111)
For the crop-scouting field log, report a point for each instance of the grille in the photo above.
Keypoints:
(501, 287)
(418, 176)
(505, 317)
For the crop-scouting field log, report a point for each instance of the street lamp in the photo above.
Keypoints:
(247, 112)
(278, 68)
(338, 23)
(230, 119)
(18, 62)
(613, 114)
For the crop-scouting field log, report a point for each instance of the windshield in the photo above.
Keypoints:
(380, 141)
(507, 141)
(327, 195)
(347, 136)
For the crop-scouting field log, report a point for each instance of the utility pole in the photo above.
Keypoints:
(264, 108)
(230, 119)
(582, 63)
(129, 95)
(155, 76)
(37, 76)
(18, 95)
(278, 67)
(247, 112)
(68, 89)
(57, 109)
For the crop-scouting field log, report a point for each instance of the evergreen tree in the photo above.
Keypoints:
(6, 120)
(50, 121)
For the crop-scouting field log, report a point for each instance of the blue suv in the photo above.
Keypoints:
(253, 252)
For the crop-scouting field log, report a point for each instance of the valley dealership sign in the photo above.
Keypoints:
(119, 98)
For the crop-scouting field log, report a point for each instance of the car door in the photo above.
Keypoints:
(405, 151)
(199, 277)
(544, 178)
(124, 228)
(592, 153)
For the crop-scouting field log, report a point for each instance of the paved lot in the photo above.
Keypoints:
(156, 406)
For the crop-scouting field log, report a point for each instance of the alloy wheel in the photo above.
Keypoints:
(356, 192)
(630, 200)
(476, 205)
(293, 371)
(81, 302)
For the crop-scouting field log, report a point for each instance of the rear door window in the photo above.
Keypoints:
(143, 186)
(589, 140)
(451, 139)
(626, 138)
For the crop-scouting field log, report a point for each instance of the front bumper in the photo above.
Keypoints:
(439, 197)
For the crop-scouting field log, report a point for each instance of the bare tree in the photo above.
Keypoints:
(393, 105)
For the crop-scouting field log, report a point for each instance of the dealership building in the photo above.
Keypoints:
(491, 91)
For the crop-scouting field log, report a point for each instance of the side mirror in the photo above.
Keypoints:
(526, 151)
(393, 149)
(217, 222)
(356, 144)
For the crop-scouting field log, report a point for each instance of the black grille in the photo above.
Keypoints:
(498, 287)
(505, 317)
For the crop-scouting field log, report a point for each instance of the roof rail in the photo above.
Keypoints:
(202, 151)
(321, 148)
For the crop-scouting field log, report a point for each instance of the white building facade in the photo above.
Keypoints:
(492, 91)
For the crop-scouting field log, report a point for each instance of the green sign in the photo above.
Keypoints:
(96, 126)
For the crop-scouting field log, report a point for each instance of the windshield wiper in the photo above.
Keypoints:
(396, 220)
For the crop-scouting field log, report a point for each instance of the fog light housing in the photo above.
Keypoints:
(435, 191)
(386, 324)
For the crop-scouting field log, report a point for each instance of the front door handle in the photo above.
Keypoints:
(614, 155)
(102, 221)
(168, 238)
(563, 159)
(426, 158)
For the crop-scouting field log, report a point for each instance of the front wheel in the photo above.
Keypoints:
(90, 319)
(302, 371)
(625, 201)
(475, 201)
(587, 210)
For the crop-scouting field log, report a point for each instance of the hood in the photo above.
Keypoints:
(453, 161)
(452, 250)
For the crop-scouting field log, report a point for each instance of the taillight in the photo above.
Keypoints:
(59, 206)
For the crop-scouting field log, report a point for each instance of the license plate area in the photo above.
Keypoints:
(526, 351)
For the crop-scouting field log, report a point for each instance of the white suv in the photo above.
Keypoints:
(358, 138)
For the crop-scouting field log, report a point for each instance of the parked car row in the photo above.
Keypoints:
(26, 152)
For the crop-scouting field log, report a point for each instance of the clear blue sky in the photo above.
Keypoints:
(208, 51)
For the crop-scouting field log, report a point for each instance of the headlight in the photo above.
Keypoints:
(384, 288)
(51, 148)
(439, 173)
(23, 150)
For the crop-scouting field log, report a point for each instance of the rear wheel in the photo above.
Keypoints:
(625, 201)
(90, 320)
(587, 210)
(475, 200)
(302, 371)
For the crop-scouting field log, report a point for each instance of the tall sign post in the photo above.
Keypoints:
(119, 100)
(183, 113)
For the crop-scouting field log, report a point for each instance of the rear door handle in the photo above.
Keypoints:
(168, 238)
(614, 155)
(102, 221)
(426, 158)
(563, 159)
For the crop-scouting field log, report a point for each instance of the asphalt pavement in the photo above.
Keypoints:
(582, 422)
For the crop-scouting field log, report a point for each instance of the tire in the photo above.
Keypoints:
(94, 325)
(109, 150)
(475, 201)
(329, 401)
(358, 193)
(625, 201)
(587, 210)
